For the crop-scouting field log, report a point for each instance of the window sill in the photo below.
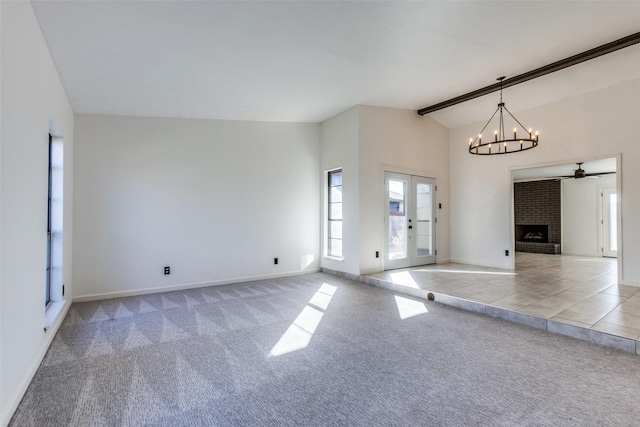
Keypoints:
(53, 312)
(333, 258)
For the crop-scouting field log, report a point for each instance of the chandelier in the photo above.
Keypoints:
(501, 142)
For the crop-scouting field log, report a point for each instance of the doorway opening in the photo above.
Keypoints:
(569, 209)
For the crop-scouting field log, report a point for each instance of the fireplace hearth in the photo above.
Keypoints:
(535, 238)
(532, 233)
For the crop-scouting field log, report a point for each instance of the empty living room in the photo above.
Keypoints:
(319, 213)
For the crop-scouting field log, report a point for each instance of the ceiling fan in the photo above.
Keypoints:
(580, 173)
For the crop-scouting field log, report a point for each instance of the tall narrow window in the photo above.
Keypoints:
(49, 263)
(54, 290)
(334, 235)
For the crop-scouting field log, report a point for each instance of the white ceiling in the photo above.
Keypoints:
(554, 171)
(307, 61)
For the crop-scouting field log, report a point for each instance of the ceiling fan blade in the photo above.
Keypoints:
(554, 178)
(598, 174)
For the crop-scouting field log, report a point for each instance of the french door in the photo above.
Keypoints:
(410, 220)
(609, 223)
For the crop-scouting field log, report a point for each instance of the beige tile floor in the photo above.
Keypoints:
(579, 291)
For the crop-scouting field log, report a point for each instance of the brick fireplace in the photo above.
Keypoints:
(537, 214)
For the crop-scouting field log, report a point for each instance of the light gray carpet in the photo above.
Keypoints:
(202, 357)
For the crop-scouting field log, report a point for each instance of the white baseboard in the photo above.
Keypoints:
(145, 291)
(587, 255)
(444, 261)
(51, 331)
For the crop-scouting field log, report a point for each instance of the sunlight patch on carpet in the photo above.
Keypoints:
(298, 335)
(409, 307)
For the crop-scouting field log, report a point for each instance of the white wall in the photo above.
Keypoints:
(31, 96)
(339, 139)
(365, 141)
(402, 141)
(596, 125)
(581, 206)
(214, 200)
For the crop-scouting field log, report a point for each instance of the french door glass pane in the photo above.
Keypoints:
(397, 219)
(423, 220)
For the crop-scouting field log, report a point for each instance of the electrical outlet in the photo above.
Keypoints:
(167, 270)
(506, 252)
(275, 261)
(377, 254)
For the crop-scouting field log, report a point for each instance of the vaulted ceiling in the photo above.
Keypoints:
(307, 61)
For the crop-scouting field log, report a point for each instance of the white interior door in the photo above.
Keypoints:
(410, 220)
(609, 222)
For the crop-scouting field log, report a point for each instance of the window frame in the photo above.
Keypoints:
(330, 249)
(49, 260)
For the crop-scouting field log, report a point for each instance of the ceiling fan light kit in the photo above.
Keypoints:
(501, 142)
